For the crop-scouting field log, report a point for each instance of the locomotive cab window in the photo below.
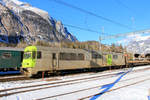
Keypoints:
(27, 55)
(109, 56)
(6, 55)
(39, 55)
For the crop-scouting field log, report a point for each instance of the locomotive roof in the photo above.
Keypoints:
(42, 48)
(11, 49)
(100, 52)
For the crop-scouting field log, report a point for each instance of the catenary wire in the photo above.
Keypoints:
(91, 13)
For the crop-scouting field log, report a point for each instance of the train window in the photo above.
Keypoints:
(80, 56)
(6, 55)
(71, 56)
(39, 55)
(96, 56)
(115, 56)
(99, 56)
(54, 55)
(109, 56)
(33, 54)
(61, 56)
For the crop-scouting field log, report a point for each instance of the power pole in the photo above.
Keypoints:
(100, 39)
(100, 46)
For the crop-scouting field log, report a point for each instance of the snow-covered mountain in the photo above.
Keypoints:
(19, 20)
(140, 44)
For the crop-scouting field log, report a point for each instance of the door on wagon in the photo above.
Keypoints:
(54, 62)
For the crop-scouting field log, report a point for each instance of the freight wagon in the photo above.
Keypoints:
(10, 59)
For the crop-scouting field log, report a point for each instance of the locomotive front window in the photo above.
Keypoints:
(27, 55)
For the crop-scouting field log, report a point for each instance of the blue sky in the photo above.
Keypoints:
(133, 13)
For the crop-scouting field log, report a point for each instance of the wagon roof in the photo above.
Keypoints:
(11, 49)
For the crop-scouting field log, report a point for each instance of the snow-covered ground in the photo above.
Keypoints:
(123, 84)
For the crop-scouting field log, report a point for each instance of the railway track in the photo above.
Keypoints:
(13, 78)
(95, 87)
(124, 86)
(22, 77)
(56, 84)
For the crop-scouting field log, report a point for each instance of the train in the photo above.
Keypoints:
(10, 60)
(38, 59)
(34, 60)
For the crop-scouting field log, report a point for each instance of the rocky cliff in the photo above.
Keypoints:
(21, 21)
(139, 45)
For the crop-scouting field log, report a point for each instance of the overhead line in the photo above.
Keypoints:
(145, 31)
(85, 29)
(91, 13)
(125, 6)
(81, 28)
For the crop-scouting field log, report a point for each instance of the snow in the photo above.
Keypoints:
(141, 44)
(138, 91)
(19, 6)
(147, 49)
(40, 12)
(17, 2)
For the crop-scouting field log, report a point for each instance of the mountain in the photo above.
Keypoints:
(141, 46)
(21, 21)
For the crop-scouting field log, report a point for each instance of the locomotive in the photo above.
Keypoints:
(38, 59)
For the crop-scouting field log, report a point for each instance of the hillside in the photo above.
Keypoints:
(139, 45)
(20, 21)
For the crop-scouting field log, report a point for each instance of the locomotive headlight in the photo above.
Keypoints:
(26, 64)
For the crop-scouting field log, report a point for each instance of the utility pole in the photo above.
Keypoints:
(100, 46)
(100, 39)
